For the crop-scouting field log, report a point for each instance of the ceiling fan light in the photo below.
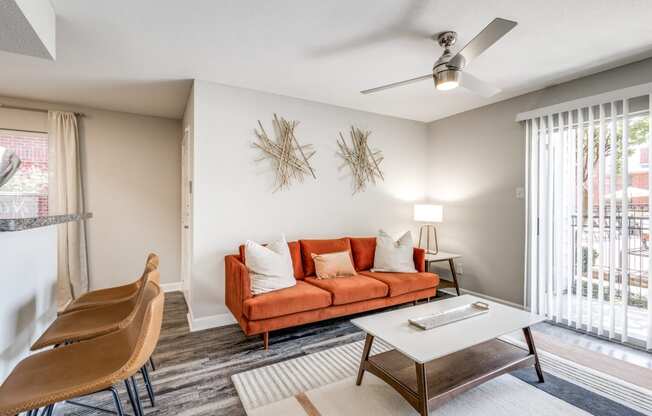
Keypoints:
(447, 80)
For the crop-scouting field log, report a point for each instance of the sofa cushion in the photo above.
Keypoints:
(295, 253)
(401, 283)
(363, 249)
(308, 247)
(299, 298)
(351, 289)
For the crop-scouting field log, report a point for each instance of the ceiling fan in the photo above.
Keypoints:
(447, 70)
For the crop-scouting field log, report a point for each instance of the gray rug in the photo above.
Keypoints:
(322, 383)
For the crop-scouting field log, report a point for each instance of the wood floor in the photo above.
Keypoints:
(193, 375)
(194, 369)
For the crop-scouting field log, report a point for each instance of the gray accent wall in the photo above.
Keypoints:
(476, 161)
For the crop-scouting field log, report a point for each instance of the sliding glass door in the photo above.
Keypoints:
(588, 224)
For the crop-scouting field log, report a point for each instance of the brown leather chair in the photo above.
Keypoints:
(88, 367)
(90, 323)
(112, 295)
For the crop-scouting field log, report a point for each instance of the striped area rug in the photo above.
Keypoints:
(288, 378)
(291, 384)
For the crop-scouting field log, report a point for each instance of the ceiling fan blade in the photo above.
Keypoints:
(483, 40)
(396, 84)
(478, 86)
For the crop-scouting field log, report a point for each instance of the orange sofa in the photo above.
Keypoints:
(313, 299)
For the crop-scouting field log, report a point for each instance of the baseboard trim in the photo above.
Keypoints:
(172, 287)
(211, 321)
(451, 291)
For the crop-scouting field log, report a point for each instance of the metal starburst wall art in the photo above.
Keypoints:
(290, 159)
(363, 162)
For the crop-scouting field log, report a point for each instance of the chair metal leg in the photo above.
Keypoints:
(132, 400)
(141, 412)
(116, 401)
(88, 406)
(148, 384)
(151, 362)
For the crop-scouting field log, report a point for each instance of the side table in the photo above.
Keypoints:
(450, 258)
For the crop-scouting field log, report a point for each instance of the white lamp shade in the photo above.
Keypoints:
(428, 213)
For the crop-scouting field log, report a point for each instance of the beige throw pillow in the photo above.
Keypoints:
(394, 256)
(270, 266)
(330, 265)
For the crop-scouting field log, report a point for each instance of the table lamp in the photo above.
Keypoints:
(428, 214)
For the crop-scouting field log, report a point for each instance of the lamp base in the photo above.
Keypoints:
(429, 227)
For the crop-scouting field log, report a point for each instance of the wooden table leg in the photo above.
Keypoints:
(365, 355)
(451, 263)
(533, 350)
(422, 387)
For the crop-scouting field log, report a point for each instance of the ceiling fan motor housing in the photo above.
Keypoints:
(447, 61)
(447, 79)
(447, 70)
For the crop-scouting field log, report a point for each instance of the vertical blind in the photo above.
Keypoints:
(588, 228)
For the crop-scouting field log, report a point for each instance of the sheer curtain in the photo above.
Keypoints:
(66, 197)
(588, 214)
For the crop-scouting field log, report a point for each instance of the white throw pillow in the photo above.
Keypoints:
(394, 256)
(270, 266)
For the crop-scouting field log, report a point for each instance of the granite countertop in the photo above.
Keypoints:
(20, 224)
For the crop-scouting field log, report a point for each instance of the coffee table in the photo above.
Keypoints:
(429, 367)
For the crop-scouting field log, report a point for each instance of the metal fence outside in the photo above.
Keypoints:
(637, 253)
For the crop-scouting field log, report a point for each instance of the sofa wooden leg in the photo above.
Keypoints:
(266, 340)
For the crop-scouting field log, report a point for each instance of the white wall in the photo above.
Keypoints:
(28, 296)
(233, 193)
(476, 162)
(132, 168)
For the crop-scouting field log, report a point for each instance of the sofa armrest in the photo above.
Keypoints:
(238, 284)
(419, 257)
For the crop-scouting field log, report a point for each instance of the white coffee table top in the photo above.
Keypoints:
(424, 346)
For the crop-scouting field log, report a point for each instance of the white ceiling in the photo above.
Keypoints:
(138, 55)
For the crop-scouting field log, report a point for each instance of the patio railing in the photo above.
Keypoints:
(637, 253)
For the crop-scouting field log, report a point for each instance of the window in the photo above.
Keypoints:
(26, 194)
(589, 217)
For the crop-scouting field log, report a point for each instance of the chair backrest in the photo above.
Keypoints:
(142, 333)
(151, 264)
(151, 277)
(152, 261)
